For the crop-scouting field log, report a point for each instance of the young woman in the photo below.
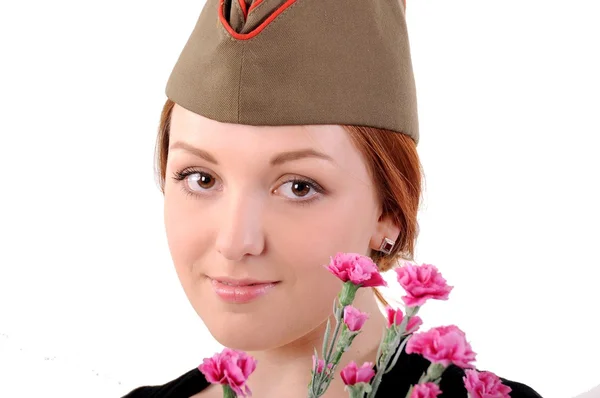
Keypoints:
(289, 135)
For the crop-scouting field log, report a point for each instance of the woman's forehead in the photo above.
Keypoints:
(196, 130)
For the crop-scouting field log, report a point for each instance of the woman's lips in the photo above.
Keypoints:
(242, 291)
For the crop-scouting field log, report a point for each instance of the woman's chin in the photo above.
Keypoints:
(239, 340)
(252, 335)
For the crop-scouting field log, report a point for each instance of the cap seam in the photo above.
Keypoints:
(262, 2)
(239, 7)
(280, 13)
(255, 4)
(240, 84)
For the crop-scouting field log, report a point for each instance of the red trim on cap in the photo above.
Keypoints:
(243, 7)
(259, 28)
(253, 5)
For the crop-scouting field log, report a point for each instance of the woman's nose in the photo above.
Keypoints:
(240, 229)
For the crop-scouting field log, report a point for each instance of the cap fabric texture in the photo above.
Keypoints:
(295, 62)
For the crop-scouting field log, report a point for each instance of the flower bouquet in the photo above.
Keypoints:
(442, 346)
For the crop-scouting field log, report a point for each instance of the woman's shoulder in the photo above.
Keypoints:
(184, 386)
(407, 372)
(452, 383)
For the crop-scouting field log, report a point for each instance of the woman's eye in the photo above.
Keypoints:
(298, 189)
(203, 180)
(196, 181)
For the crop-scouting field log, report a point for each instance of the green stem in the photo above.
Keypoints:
(383, 339)
(228, 392)
(433, 373)
(337, 355)
(345, 298)
(377, 380)
(336, 332)
(321, 377)
(356, 393)
(397, 355)
(382, 365)
(336, 359)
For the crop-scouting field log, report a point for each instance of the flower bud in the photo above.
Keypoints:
(354, 318)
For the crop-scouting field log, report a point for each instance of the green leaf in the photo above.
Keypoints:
(377, 358)
(326, 337)
(312, 391)
(397, 354)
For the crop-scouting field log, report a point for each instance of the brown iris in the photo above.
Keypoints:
(205, 181)
(300, 188)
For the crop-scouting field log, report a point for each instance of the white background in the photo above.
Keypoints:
(509, 108)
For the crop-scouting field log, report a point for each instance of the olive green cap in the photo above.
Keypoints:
(296, 62)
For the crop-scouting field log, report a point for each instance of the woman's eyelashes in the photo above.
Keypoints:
(301, 190)
(195, 181)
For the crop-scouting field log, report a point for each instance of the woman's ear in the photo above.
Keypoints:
(386, 228)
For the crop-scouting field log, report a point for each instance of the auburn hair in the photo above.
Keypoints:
(393, 163)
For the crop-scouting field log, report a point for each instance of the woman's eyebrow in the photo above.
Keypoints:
(201, 153)
(276, 160)
(299, 154)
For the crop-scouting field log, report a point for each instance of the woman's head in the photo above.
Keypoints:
(272, 204)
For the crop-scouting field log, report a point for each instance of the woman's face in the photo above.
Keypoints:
(263, 204)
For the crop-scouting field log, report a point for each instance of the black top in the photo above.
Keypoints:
(396, 383)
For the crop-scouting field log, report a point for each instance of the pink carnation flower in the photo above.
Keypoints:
(229, 367)
(320, 364)
(425, 390)
(485, 385)
(354, 318)
(422, 282)
(443, 345)
(413, 324)
(360, 270)
(352, 374)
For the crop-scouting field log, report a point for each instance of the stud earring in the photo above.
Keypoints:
(386, 246)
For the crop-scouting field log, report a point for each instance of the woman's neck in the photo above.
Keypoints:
(285, 371)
